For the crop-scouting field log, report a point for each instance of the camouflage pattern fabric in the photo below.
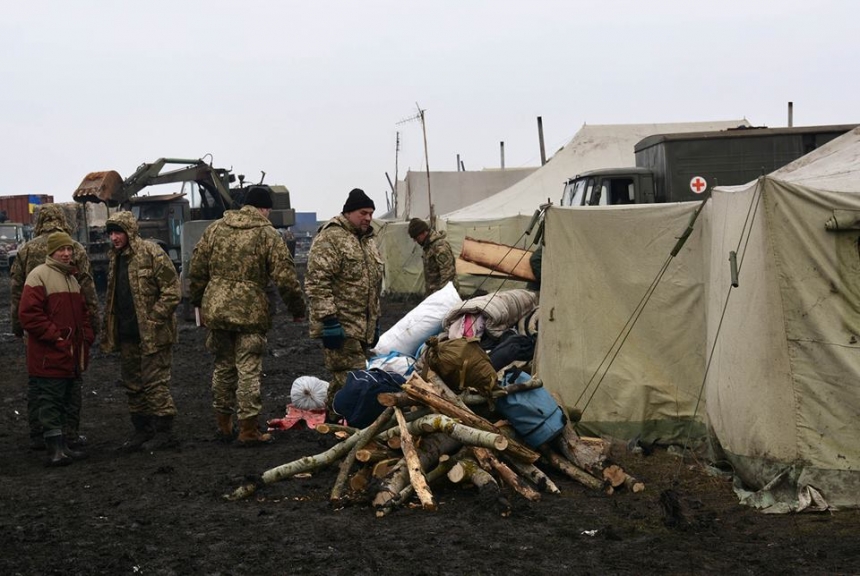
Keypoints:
(51, 219)
(439, 262)
(146, 378)
(344, 279)
(236, 377)
(231, 267)
(352, 356)
(154, 287)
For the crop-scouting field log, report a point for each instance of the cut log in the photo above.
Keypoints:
(413, 464)
(329, 428)
(533, 474)
(416, 388)
(616, 476)
(395, 399)
(304, 464)
(488, 461)
(440, 470)
(359, 481)
(384, 468)
(346, 465)
(370, 455)
(498, 257)
(433, 447)
(462, 433)
(561, 464)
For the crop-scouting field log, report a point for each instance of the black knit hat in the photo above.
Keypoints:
(416, 227)
(114, 227)
(258, 197)
(357, 200)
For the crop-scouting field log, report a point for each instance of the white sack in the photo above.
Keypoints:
(308, 393)
(422, 322)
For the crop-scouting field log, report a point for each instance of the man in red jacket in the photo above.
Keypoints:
(54, 314)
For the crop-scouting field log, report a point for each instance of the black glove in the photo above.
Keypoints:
(375, 336)
(333, 334)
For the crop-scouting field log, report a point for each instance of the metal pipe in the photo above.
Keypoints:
(540, 139)
(502, 152)
(790, 114)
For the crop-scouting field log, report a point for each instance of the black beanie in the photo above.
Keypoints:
(258, 197)
(357, 200)
(114, 227)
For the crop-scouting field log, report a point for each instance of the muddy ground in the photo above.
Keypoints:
(165, 512)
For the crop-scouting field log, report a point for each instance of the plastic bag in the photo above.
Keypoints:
(308, 393)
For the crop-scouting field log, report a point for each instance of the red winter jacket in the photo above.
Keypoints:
(54, 314)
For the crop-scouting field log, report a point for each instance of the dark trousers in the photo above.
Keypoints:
(51, 400)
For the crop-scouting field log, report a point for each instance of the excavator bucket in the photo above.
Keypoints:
(99, 187)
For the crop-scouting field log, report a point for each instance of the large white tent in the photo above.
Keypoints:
(783, 392)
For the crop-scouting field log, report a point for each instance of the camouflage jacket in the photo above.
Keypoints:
(344, 279)
(232, 265)
(51, 219)
(154, 287)
(438, 263)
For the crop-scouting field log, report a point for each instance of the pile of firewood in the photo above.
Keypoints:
(427, 433)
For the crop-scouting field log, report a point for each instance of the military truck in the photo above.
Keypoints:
(172, 220)
(12, 237)
(680, 167)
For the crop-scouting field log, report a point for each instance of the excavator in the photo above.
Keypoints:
(170, 219)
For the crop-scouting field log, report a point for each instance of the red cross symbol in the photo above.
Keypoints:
(698, 184)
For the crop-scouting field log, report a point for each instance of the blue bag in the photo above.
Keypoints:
(357, 402)
(534, 414)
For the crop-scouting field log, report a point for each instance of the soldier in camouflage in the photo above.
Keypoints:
(438, 258)
(343, 283)
(233, 263)
(140, 323)
(52, 219)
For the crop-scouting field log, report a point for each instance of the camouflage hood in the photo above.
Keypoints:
(126, 221)
(51, 219)
(245, 218)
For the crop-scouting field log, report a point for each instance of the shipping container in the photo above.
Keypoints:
(20, 208)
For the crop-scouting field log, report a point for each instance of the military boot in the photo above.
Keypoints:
(143, 431)
(163, 437)
(56, 456)
(250, 435)
(226, 433)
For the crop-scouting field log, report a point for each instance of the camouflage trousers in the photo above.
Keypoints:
(51, 398)
(73, 404)
(352, 356)
(146, 378)
(238, 367)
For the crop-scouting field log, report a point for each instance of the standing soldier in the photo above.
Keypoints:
(52, 219)
(343, 283)
(140, 322)
(54, 313)
(232, 265)
(438, 258)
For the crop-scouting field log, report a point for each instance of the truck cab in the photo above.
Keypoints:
(12, 237)
(609, 187)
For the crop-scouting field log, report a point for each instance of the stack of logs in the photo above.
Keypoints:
(427, 432)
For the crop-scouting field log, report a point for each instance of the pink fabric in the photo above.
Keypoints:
(297, 418)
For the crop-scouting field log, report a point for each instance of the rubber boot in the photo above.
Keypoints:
(250, 435)
(226, 433)
(37, 442)
(73, 454)
(56, 456)
(163, 437)
(143, 431)
(75, 440)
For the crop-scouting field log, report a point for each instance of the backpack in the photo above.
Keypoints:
(357, 402)
(534, 414)
(461, 360)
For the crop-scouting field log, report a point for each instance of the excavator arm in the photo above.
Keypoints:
(110, 188)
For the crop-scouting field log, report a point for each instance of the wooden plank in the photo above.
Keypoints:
(498, 257)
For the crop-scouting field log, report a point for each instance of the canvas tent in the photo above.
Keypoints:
(598, 263)
(781, 396)
(451, 190)
(783, 392)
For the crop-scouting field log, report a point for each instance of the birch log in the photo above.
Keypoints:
(413, 464)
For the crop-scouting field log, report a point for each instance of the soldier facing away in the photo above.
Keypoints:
(343, 283)
(52, 219)
(140, 323)
(232, 265)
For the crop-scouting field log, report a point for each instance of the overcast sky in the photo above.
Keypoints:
(311, 91)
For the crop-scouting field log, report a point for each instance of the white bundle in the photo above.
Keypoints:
(308, 393)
